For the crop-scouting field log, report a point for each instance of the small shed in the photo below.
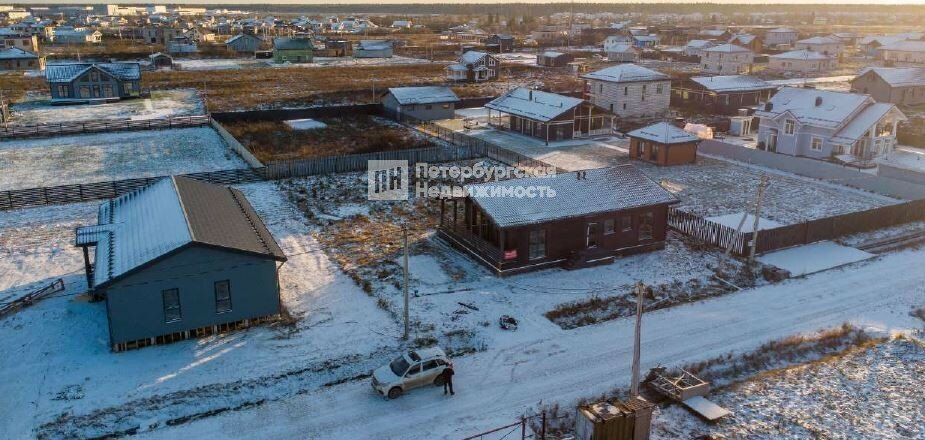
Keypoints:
(617, 420)
(663, 144)
(421, 103)
(373, 49)
(551, 58)
(243, 43)
(159, 60)
(178, 259)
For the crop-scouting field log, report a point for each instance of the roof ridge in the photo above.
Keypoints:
(250, 221)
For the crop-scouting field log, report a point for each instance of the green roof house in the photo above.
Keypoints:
(292, 50)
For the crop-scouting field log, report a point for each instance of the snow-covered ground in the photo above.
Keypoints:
(495, 387)
(161, 104)
(305, 124)
(217, 64)
(29, 163)
(905, 157)
(869, 393)
(733, 220)
(813, 257)
(63, 363)
(524, 58)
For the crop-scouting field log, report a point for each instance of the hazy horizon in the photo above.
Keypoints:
(401, 2)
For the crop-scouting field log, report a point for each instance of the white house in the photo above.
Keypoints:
(781, 36)
(695, 48)
(77, 36)
(727, 59)
(830, 46)
(629, 90)
(801, 61)
(910, 51)
(821, 124)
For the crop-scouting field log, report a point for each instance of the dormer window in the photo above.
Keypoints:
(789, 126)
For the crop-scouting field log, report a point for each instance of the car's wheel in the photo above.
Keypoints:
(394, 393)
(439, 380)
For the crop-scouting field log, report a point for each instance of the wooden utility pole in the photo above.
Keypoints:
(640, 295)
(762, 186)
(404, 236)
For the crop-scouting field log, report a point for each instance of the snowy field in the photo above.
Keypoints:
(905, 157)
(495, 387)
(305, 124)
(63, 363)
(870, 393)
(161, 104)
(813, 257)
(29, 163)
(217, 64)
(241, 63)
(710, 188)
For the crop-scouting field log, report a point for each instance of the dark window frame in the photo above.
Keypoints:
(219, 302)
(173, 312)
(536, 244)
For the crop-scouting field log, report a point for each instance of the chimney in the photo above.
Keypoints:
(818, 101)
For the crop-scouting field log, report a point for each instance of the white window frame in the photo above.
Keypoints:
(812, 143)
(790, 127)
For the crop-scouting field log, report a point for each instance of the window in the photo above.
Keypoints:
(64, 91)
(428, 107)
(171, 299)
(659, 88)
(645, 226)
(624, 106)
(222, 296)
(600, 88)
(789, 127)
(537, 248)
(127, 88)
(626, 223)
(817, 144)
(94, 76)
(626, 91)
(609, 226)
(431, 364)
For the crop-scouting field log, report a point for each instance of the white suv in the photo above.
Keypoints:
(411, 370)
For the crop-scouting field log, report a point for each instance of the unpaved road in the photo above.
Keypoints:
(496, 386)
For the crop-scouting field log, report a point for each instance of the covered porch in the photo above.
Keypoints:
(467, 227)
(583, 123)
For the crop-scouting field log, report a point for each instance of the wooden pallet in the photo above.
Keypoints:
(31, 298)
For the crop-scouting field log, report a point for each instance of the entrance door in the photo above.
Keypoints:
(591, 235)
(772, 142)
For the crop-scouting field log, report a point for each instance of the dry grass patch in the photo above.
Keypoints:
(275, 140)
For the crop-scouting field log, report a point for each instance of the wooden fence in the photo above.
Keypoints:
(56, 195)
(44, 130)
(709, 232)
(359, 162)
(811, 231)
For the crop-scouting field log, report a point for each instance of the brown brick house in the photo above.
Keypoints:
(663, 144)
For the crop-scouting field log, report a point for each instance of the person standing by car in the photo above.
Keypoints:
(448, 379)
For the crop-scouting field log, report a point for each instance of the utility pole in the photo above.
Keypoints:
(640, 295)
(404, 237)
(762, 186)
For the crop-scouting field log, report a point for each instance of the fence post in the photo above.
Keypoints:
(523, 428)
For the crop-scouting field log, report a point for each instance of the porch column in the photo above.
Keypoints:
(442, 211)
(87, 267)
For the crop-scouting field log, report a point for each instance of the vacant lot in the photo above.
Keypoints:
(161, 104)
(89, 158)
(275, 140)
(868, 393)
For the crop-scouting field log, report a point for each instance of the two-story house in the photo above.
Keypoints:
(822, 124)
(801, 61)
(727, 59)
(899, 85)
(629, 90)
(829, 46)
(781, 37)
(474, 66)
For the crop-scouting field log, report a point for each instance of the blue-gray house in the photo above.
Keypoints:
(178, 259)
(74, 83)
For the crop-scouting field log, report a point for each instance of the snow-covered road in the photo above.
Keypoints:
(496, 386)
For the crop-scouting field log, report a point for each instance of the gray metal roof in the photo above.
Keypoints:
(596, 191)
(140, 227)
(663, 133)
(62, 73)
(732, 83)
(295, 43)
(423, 95)
(626, 73)
(15, 53)
(899, 76)
(533, 104)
